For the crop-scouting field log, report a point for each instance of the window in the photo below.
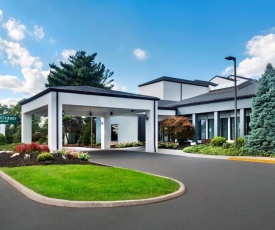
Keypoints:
(210, 128)
(247, 127)
(232, 130)
(202, 129)
(224, 128)
(114, 132)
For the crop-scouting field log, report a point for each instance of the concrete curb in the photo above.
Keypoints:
(91, 204)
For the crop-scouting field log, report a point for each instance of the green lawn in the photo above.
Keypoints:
(90, 183)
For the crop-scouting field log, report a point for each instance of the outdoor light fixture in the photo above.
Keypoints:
(146, 117)
(111, 113)
(132, 110)
(91, 114)
(230, 58)
(101, 122)
(63, 113)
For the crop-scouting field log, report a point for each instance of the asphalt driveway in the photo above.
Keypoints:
(220, 195)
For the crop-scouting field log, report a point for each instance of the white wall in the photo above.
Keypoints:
(189, 91)
(155, 90)
(171, 91)
(127, 128)
(219, 80)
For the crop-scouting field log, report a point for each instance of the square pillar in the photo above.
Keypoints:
(196, 126)
(105, 133)
(242, 122)
(98, 130)
(216, 124)
(54, 123)
(26, 133)
(151, 129)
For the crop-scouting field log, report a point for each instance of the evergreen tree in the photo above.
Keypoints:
(80, 71)
(262, 116)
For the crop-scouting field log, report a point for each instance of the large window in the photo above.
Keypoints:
(232, 130)
(210, 128)
(224, 128)
(202, 129)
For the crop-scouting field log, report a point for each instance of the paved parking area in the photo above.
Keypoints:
(221, 194)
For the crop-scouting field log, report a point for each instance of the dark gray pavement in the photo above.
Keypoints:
(220, 195)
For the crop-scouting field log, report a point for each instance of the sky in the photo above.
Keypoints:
(139, 40)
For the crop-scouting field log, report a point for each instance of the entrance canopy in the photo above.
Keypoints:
(88, 101)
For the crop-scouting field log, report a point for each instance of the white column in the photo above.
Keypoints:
(229, 128)
(98, 130)
(195, 123)
(52, 122)
(216, 124)
(26, 133)
(242, 122)
(151, 129)
(105, 133)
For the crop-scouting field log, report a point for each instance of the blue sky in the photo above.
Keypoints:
(139, 40)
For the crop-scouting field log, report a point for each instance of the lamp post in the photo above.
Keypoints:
(230, 58)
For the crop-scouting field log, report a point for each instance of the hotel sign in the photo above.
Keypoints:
(7, 119)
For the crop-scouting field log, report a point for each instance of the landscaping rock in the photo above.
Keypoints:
(9, 152)
(27, 156)
(64, 157)
(14, 155)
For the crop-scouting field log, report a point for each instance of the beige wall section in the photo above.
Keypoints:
(189, 91)
(155, 90)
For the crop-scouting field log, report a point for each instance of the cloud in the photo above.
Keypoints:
(119, 87)
(140, 54)
(10, 82)
(31, 69)
(10, 101)
(261, 50)
(67, 53)
(38, 32)
(1, 15)
(16, 31)
(228, 71)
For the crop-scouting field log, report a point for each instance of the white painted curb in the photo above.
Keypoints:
(91, 204)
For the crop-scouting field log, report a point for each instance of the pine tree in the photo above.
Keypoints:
(80, 71)
(262, 122)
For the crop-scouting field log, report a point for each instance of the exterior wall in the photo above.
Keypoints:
(218, 111)
(155, 90)
(189, 91)
(219, 106)
(171, 91)
(219, 80)
(127, 128)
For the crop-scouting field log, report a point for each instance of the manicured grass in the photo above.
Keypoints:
(90, 183)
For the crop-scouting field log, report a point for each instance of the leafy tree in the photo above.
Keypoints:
(262, 116)
(178, 127)
(80, 71)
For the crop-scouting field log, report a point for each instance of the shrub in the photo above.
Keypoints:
(83, 156)
(227, 145)
(218, 141)
(168, 145)
(36, 136)
(8, 147)
(45, 156)
(3, 139)
(206, 141)
(240, 141)
(31, 148)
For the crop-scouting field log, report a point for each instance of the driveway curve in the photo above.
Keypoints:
(220, 194)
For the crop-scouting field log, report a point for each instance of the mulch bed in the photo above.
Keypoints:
(7, 161)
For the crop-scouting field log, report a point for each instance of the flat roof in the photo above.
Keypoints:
(89, 90)
(177, 80)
